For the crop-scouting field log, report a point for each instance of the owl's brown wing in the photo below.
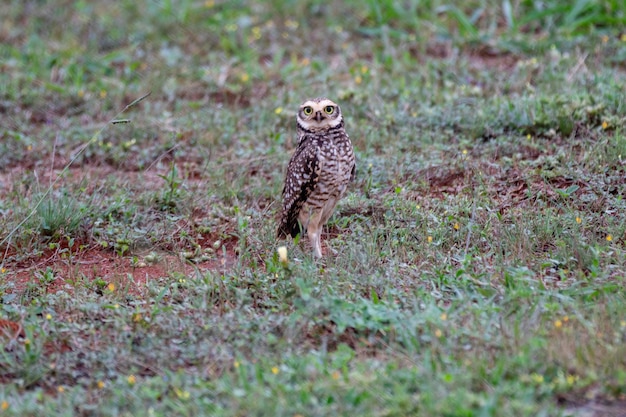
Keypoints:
(302, 176)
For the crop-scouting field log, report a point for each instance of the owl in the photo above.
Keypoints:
(318, 173)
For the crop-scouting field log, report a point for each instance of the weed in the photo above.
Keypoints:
(172, 190)
(59, 216)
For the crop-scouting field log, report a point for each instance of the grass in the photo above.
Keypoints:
(481, 263)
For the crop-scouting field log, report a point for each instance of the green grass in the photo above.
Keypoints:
(481, 263)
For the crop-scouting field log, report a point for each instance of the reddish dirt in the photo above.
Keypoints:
(92, 261)
(113, 269)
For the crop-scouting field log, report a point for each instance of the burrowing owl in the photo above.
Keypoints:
(318, 173)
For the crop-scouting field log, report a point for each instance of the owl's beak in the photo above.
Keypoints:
(319, 116)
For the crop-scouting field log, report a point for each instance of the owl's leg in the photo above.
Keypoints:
(327, 211)
(316, 242)
(314, 231)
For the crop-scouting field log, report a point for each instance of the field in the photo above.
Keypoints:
(480, 260)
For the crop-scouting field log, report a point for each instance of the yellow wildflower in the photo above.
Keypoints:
(275, 370)
(291, 24)
(256, 33)
(536, 378)
(131, 379)
(182, 394)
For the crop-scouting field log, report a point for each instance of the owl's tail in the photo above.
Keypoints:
(285, 229)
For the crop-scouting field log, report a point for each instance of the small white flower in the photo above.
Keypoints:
(282, 254)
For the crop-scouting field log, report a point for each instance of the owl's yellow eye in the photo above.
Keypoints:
(308, 110)
(329, 109)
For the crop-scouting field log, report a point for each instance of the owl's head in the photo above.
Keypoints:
(319, 114)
